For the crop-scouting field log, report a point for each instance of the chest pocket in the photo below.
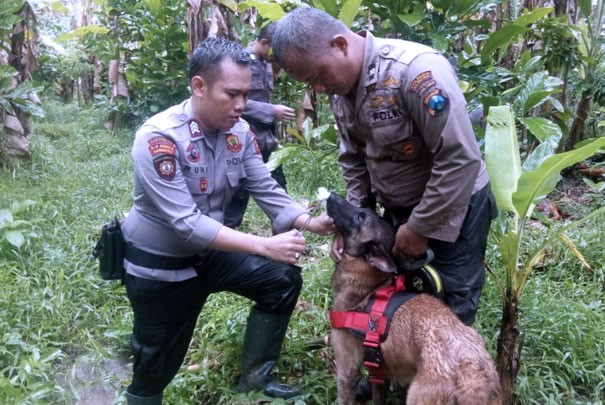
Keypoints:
(392, 128)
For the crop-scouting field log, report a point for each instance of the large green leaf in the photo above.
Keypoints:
(270, 11)
(537, 184)
(412, 19)
(502, 155)
(330, 6)
(533, 16)
(500, 40)
(538, 89)
(541, 128)
(548, 133)
(283, 154)
(348, 11)
(509, 248)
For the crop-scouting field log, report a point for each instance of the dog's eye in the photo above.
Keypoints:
(359, 218)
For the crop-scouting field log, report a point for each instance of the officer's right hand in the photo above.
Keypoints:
(286, 247)
(283, 112)
(337, 247)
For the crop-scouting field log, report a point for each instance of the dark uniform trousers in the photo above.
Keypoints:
(461, 263)
(165, 313)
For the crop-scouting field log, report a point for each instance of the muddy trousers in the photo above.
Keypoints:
(166, 313)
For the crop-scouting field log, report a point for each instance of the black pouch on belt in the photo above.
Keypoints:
(110, 251)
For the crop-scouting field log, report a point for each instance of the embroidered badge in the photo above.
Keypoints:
(371, 72)
(420, 80)
(159, 145)
(195, 129)
(203, 185)
(408, 149)
(435, 102)
(385, 115)
(233, 143)
(376, 101)
(390, 81)
(165, 166)
(256, 147)
(392, 100)
(193, 155)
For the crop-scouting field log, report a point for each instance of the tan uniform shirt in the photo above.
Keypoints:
(184, 178)
(407, 137)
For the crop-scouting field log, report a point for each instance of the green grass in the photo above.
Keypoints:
(59, 318)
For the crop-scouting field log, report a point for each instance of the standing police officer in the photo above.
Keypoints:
(406, 141)
(188, 163)
(261, 115)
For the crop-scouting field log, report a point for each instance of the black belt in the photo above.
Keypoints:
(153, 261)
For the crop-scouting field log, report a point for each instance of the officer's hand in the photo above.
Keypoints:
(322, 225)
(337, 247)
(283, 112)
(286, 247)
(411, 244)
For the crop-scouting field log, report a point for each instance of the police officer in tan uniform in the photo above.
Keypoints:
(189, 161)
(406, 142)
(262, 115)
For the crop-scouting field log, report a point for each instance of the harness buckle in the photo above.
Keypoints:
(371, 355)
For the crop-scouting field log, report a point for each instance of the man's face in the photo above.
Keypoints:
(264, 51)
(221, 104)
(329, 73)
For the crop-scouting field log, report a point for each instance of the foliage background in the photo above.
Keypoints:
(66, 332)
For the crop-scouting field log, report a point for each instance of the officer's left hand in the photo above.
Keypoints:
(283, 112)
(411, 244)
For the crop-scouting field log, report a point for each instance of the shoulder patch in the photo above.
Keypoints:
(159, 145)
(256, 147)
(435, 102)
(420, 80)
(165, 166)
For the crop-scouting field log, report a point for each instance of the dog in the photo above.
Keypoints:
(440, 359)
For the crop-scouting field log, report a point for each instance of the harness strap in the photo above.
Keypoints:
(374, 324)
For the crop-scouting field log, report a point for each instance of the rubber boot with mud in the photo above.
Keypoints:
(263, 340)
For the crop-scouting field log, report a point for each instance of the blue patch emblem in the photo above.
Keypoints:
(435, 102)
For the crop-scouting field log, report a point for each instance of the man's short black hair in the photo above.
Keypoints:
(267, 32)
(207, 57)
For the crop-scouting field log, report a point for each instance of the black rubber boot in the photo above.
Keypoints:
(264, 336)
(135, 400)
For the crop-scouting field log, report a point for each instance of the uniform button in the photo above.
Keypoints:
(182, 118)
(385, 50)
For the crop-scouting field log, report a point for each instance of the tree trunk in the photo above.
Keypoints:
(509, 348)
(576, 132)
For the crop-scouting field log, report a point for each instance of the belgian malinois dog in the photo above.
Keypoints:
(440, 359)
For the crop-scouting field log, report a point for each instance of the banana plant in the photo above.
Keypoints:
(518, 188)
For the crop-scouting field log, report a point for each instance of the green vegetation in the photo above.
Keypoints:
(58, 316)
(537, 72)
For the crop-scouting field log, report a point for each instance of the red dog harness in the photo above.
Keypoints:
(372, 326)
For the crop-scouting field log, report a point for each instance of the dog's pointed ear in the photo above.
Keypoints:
(380, 258)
